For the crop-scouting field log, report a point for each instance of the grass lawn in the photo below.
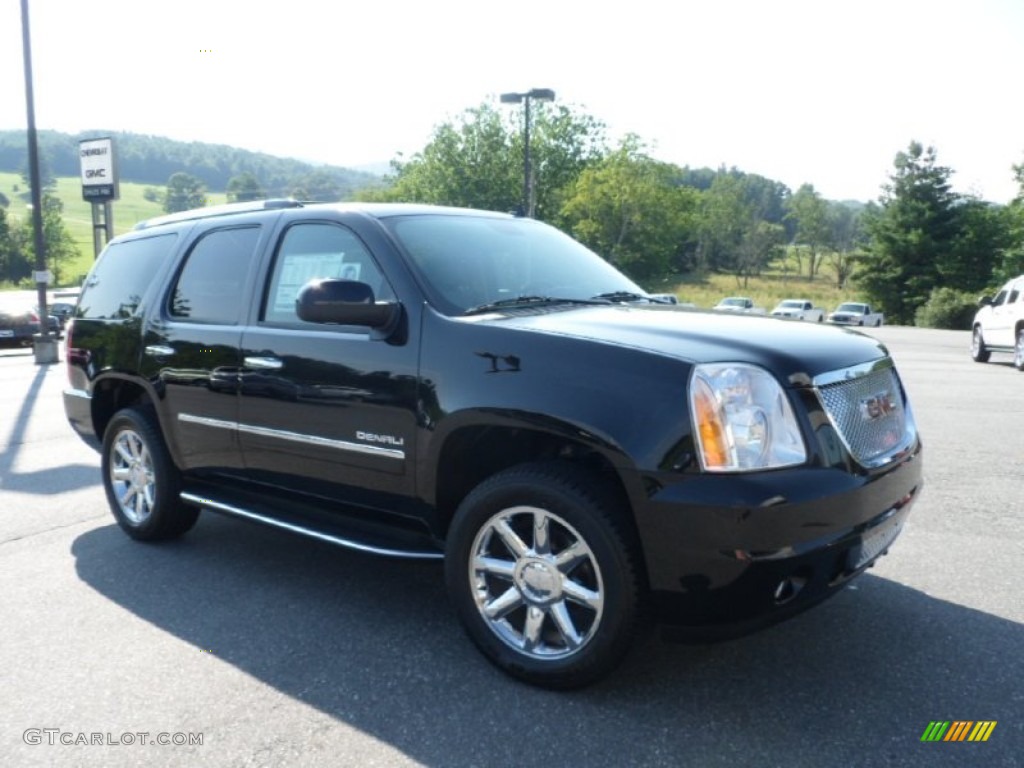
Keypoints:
(128, 210)
(766, 291)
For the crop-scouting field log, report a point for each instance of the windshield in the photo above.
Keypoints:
(732, 303)
(792, 304)
(859, 308)
(467, 262)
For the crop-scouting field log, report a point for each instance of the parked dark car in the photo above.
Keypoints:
(62, 310)
(481, 389)
(19, 322)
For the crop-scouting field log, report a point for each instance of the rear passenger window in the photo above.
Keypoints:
(1013, 295)
(315, 251)
(210, 288)
(122, 276)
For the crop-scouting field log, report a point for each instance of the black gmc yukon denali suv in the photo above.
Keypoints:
(429, 382)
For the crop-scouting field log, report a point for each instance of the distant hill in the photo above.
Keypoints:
(152, 159)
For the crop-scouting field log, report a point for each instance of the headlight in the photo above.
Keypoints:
(743, 420)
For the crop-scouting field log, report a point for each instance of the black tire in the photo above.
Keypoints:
(546, 603)
(979, 352)
(1018, 350)
(141, 480)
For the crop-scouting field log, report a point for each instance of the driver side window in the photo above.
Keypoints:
(317, 251)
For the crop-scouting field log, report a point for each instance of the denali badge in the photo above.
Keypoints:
(370, 437)
(877, 406)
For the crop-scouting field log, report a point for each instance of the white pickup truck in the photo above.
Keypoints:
(739, 304)
(799, 309)
(999, 324)
(855, 313)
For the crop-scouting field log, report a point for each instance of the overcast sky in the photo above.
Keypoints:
(817, 91)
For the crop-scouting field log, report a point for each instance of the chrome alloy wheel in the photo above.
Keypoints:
(131, 476)
(536, 583)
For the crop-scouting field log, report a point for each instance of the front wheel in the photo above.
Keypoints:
(979, 352)
(543, 573)
(141, 480)
(1018, 350)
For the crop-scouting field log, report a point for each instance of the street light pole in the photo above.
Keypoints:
(44, 345)
(537, 94)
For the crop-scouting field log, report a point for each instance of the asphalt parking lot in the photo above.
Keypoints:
(278, 650)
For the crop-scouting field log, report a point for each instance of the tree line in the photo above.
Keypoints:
(154, 159)
(920, 251)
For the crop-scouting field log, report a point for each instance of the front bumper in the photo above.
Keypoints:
(727, 554)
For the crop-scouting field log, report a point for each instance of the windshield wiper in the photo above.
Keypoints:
(629, 296)
(528, 300)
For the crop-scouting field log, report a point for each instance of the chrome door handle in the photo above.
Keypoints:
(264, 363)
(159, 350)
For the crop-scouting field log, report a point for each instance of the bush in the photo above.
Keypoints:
(947, 308)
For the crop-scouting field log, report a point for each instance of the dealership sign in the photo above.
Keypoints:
(99, 173)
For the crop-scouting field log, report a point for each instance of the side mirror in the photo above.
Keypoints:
(344, 302)
(985, 301)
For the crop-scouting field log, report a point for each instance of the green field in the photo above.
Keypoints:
(767, 291)
(127, 211)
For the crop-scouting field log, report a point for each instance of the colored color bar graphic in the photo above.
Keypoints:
(982, 730)
(958, 730)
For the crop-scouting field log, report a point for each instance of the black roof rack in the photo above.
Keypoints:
(220, 210)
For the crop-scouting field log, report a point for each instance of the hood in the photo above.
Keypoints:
(783, 347)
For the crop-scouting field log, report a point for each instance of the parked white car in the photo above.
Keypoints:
(855, 313)
(739, 304)
(799, 309)
(999, 324)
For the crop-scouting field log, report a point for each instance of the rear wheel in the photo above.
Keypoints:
(543, 574)
(140, 479)
(979, 352)
(1018, 350)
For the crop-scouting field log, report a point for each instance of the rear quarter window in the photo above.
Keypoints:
(121, 277)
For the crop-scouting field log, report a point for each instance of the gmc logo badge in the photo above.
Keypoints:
(878, 406)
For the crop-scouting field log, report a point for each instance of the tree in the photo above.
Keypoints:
(245, 187)
(984, 232)
(847, 238)
(60, 247)
(810, 214)
(319, 185)
(48, 182)
(631, 210)
(735, 233)
(912, 232)
(14, 266)
(476, 161)
(184, 192)
(1011, 261)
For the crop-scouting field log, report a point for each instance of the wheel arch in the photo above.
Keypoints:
(471, 453)
(110, 395)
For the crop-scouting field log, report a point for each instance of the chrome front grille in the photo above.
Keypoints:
(866, 407)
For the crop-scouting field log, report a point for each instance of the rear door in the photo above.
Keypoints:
(323, 406)
(191, 344)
